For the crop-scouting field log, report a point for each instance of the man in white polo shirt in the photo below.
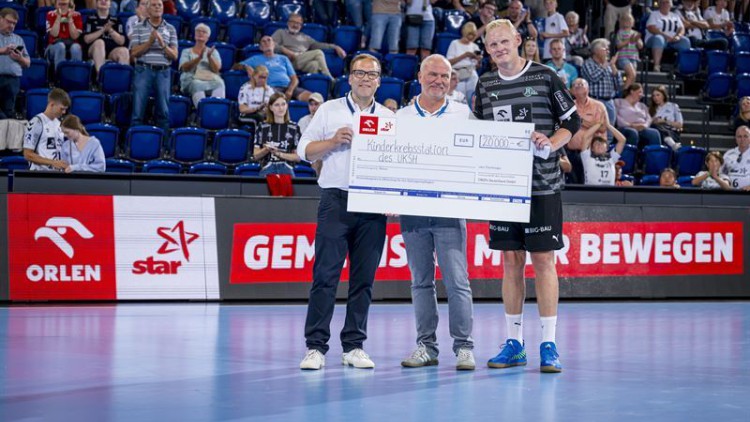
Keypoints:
(427, 238)
(361, 235)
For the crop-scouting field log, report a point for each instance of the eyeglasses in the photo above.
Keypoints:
(360, 74)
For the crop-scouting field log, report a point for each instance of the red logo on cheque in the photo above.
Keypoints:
(368, 125)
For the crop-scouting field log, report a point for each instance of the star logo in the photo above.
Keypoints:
(176, 238)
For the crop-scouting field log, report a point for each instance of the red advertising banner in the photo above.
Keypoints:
(284, 252)
(61, 247)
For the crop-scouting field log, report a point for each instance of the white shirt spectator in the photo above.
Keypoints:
(449, 109)
(737, 168)
(669, 24)
(710, 183)
(717, 18)
(599, 171)
(254, 97)
(304, 122)
(457, 96)
(554, 24)
(693, 16)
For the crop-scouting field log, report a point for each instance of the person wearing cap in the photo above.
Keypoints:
(618, 175)
(599, 162)
(313, 103)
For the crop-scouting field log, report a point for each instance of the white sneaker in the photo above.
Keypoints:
(465, 360)
(358, 359)
(313, 360)
(419, 358)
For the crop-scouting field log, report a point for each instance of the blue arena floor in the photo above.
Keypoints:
(632, 361)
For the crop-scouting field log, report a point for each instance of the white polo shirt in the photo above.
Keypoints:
(449, 109)
(330, 117)
(737, 167)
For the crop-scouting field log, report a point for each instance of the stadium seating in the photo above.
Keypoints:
(114, 165)
(74, 75)
(689, 160)
(390, 87)
(240, 33)
(35, 76)
(297, 110)
(107, 135)
(233, 81)
(144, 143)
(656, 158)
(179, 111)
(247, 169)
(161, 166)
(187, 145)
(316, 82)
(87, 105)
(209, 168)
(115, 78)
(214, 113)
(402, 66)
(232, 146)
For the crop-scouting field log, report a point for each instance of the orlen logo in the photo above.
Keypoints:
(368, 125)
(175, 239)
(54, 230)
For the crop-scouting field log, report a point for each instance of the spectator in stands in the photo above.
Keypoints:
(453, 93)
(633, 118)
(618, 175)
(64, 27)
(358, 13)
(613, 12)
(566, 71)
(105, 37)
(487, 13)
(303, 51)
(127, 6)
(153, 45)
(664, 29)
(313, 103)
(276, 139)
(743, 113)
(170, 8)
(281, 75)
(141, 13)
(325, 12)
(391, 104)
(736, 162)
(666, 117)
(521, 18)
(603, 77)
(254, 95)
(668, 179)
(555, 27)
(420, 27)
(535, 7)
(695, 24)
(718, 18)
(386, 20)
(577, 45)
(599, 162)
(13, 59)
(530, 50)
(200, 67)
(81, 151)
(742, 10)
(712, 177)
(465, 57)
(629, 43)
(42, 141)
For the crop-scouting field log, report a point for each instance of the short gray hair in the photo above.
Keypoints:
(598, 43)
(204, 27)
(432, 58)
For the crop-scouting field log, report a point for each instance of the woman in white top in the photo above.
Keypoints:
(712, 178)
(199, 68)
(464, 55)
(666, 117)
(665, 29)
(81, 151)
(254, 95)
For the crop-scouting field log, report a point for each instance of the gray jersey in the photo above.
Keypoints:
(44, 137)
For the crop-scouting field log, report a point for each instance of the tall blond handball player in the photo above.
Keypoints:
(525, 91)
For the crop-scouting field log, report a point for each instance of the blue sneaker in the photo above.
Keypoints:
(512, 353)
(550, 357)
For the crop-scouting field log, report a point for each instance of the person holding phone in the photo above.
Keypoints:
(13, 59)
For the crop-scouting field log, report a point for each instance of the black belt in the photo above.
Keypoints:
(154, 66)
(336, 193)
(603, 98)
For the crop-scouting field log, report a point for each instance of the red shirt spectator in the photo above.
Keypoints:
(66, 13)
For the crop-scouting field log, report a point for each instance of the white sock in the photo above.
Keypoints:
(514, 325)
(549, 325)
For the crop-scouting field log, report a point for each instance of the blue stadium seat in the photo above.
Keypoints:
(40, 19)
(649, 180)
(35, 76)
(258, 12)
(250, 51)
(36, 101)
(161, 166)
(115, 78)
(334, 62)
(114, 165)
(740, 42)
(443, 41)
(656, 158)
(629, 156)
(144, 143)
(284, 8)
(30, 41)
(179, 111)
(742, 82)
(85, 14)
(627, 178)
(247, 169)
(107, 135)
(372, 53)
(187, 145)
(303, 170)
(717, 61)
(233, 81)
(718, 87)
(122, 108)
(240, 33)
(685, 181)
(688, 63)
(123, 17)
(689, 160)
(188, 9)
(316, 31)
(715, 34)
(13, 162)
(232, 146)
(347, 37)
(273, 26)
(87, 105)
(454, 20)
(209, 168)
(341, 86)
(316, 82)
(297, 110)
(224, 11)
(227, 52)
(74, 75)
(177, 22)
(214, 113)
(402, 66)
(413, 89)
(390, 87)
(742, 62)
(210, 22)
(439, 14)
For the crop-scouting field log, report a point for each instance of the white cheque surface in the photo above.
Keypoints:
(470, 169)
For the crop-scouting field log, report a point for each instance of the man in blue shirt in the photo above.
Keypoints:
(13, 58)
(281, 75)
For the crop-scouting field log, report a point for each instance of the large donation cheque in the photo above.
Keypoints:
(470, 169)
